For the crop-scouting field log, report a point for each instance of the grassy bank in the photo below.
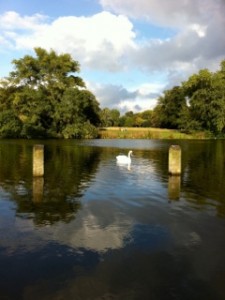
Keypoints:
(146, 133)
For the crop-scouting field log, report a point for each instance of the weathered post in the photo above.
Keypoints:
(38, 160)
(174, 160)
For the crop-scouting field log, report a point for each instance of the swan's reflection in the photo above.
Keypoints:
(124, 165)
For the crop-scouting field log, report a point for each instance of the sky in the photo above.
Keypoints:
(129, 51)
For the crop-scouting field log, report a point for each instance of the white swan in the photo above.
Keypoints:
(123, 159)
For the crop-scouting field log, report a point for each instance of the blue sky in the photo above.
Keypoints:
(129, 51)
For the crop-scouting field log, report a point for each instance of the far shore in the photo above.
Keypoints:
(147, 133)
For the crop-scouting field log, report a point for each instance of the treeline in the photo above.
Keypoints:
(198, 104)
(44, 98)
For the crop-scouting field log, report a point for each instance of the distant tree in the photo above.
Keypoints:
(131, 119)
(128, 120)
(110, 117)
(115, 116)
(105, 117)
(170, 107)
(138, 120)
(147, 118)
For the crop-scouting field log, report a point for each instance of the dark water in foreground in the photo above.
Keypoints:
(91, 229)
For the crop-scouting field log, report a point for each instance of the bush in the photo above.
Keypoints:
(31, 130)
(71, 131)
(10, 125)
(80, 131)
(89, 131)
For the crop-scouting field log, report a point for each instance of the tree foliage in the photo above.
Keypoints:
(110, 117)
(46, 99)
(170, 107)
(198, 104)
(206, 95)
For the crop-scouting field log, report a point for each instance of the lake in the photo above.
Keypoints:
(93, 229)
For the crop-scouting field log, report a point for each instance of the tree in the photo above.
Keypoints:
(105, 117)
(48, 97)
(110, 117)
(198, 104)
(206, 95)
(46, 69)
(170, 107)
(115, 116)
(128, 120)
(147, 118)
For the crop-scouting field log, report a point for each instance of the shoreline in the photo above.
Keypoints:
(147, 133)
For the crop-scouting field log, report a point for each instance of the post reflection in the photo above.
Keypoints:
(38, 189)
(174, 183)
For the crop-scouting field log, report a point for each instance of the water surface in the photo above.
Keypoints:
(92, 229)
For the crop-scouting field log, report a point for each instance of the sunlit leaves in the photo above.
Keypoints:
(170, 107)
(198, 104)
(47, 68)
(47, 96)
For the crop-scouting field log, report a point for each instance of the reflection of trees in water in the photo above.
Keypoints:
(204, 174)
(68, 171)
(48, 213)
(16, 162)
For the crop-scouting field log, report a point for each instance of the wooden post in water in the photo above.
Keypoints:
(174, 160)
(38, 160)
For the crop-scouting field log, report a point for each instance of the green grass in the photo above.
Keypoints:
(146, 133)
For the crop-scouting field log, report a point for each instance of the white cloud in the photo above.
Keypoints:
(199, 42)
(99, 41)
(200, 30)
(11, 20)
(146, 89)
(167, 12)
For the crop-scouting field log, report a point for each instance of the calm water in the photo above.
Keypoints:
(92, 229)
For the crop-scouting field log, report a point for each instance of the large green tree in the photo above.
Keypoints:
(49, 99)
(206, 96)
(47, 69)
(198, 104)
